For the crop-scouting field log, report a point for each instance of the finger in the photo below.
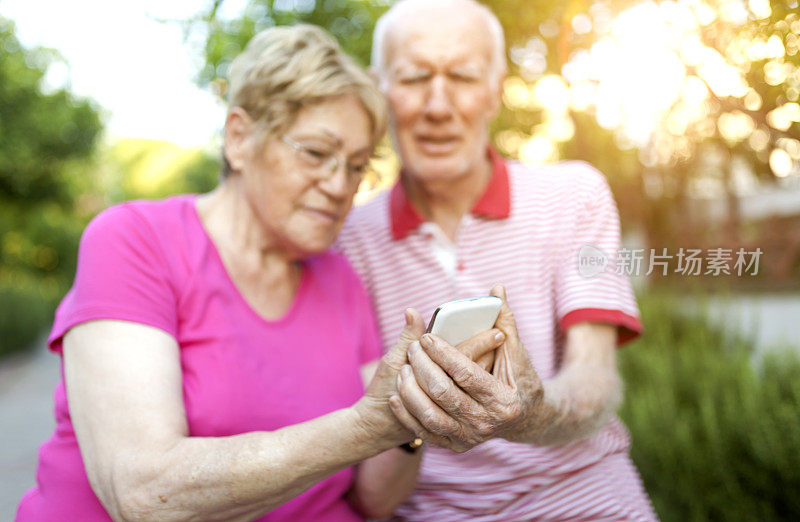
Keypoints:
(415, 325)
(487, 360)
(433, 418)
(508, 325)
(438, 385)
(466, 374)
(481, 343)
(502, 369)
(413, 328)
(411, 424)
(505, 320)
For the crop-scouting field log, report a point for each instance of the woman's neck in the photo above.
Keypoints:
(265, 272)
(235, 228)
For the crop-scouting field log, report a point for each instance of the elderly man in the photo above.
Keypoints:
(543, 440)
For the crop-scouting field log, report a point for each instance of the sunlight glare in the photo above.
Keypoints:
(735, 126)
(552, 93)
(760, 8)
(780, 162)
(537, 150)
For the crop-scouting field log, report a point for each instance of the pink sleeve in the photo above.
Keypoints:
(370, 347)
(581, 294)
(122, 274)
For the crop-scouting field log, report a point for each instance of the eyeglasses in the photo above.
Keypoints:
(323, 162)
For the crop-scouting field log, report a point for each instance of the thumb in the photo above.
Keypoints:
(505, 320)
(412, 330)
(517, 355)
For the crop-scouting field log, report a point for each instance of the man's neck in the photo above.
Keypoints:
(445, 202)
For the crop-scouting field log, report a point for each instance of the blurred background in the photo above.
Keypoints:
(689, 107)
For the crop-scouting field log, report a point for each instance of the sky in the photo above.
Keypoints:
(136, 68)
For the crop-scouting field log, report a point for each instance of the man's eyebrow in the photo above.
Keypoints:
(468, 63)
(410, 62)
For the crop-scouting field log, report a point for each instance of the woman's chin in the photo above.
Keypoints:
(312, 246)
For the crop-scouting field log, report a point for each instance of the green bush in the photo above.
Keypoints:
(48, 141)
(716, 433)
(24, 315)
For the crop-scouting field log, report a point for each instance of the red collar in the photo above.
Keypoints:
(494, 203)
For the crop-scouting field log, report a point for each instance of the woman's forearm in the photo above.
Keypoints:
(384, 481)
(243, 476)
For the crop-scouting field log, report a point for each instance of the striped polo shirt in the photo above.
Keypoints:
(526, 232)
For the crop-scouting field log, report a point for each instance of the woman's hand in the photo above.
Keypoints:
(374, 409)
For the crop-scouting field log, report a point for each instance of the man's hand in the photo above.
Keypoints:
(383, 383)
(448, 399)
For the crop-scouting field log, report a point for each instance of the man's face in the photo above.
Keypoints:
(440, 91)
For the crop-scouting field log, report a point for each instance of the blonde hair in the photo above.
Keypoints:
(285, 68)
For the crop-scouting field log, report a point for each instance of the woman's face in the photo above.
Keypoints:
(300, 201)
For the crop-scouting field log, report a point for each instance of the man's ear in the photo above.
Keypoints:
(238, 126)
(497, 94)
(376, 77)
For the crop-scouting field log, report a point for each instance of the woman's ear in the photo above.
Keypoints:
(238, 126)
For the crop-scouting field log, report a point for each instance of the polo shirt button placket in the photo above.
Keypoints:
(444, 251)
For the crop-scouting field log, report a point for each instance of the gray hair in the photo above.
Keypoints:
(285, 68)
(498, 58)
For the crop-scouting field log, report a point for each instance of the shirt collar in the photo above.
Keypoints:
(495, 203)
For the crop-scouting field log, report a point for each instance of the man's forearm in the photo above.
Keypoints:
(576, 403)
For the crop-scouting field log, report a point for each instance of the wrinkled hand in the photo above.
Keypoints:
(373, 407)
(446, 398)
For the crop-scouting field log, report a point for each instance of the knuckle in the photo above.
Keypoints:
(468, 439)
(511, 412)
(484, 430)
(438, 389)
(429, 419)
(464, 375)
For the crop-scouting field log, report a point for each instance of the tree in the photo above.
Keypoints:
(46, 137)
(729, 105)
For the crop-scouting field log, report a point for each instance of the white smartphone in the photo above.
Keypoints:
(457, 321)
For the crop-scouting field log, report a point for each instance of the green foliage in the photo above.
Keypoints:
(351, 22)
(140, 168)
(46, 144)
(715, 436)
(24, 310)
(39, 133)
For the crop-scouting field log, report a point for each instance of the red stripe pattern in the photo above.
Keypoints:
(554, 210)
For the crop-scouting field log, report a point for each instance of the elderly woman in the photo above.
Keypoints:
(212, 344)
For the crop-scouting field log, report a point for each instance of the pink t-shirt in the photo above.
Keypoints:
(153, 263)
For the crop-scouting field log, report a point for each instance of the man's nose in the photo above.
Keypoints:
(438, 106)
